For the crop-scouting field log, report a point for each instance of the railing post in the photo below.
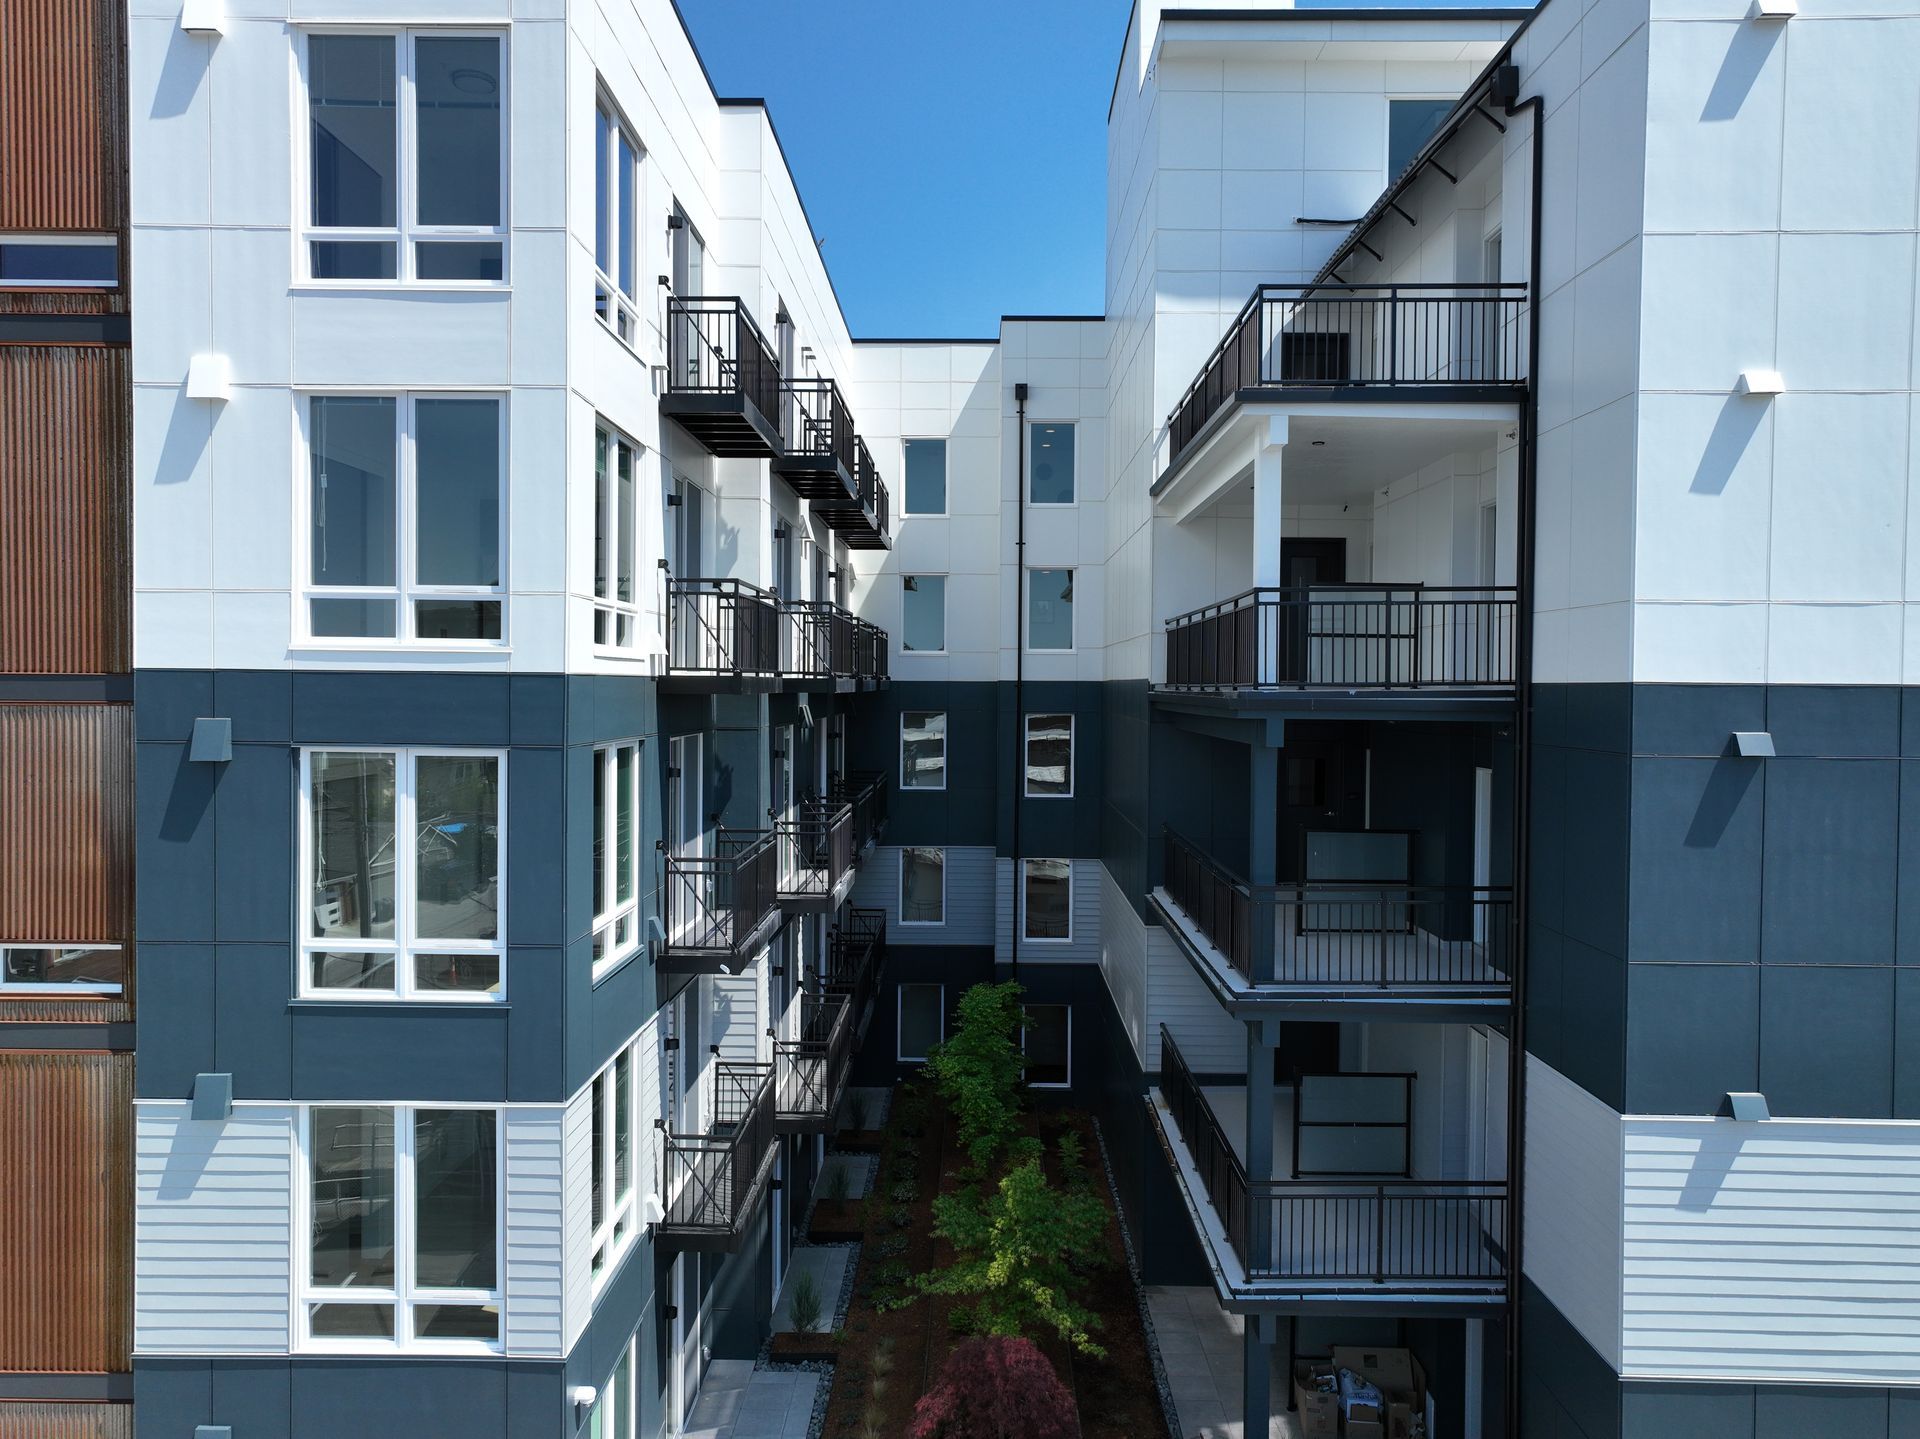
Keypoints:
(1262, 859)
(1261, 1035)
(1379, 1234)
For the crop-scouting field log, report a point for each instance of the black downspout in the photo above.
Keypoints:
(1019, 662)
(1523, 787)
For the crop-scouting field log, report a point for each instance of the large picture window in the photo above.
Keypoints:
(616, 197)
(406, 509)
(402, 890)
(923, 749)
(402, 1228)
(616, 538)
(1049, 757)
(406, 157)
(616, 855)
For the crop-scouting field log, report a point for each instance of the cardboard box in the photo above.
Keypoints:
(1319, 1413)
(1365, 1429)
(1398, 1376)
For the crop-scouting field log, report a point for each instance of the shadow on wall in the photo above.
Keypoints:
(1746, 57)
(1726, 787)
(1733, 430)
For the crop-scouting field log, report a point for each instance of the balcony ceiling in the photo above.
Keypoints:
(1359, 454)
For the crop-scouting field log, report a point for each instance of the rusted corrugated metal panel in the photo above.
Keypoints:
(66, 1249)
(66, 454)
(66, 811)
(63, 114)
(69, 1009)
(20, 1420)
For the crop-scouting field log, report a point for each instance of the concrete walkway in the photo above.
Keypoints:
(738, 1401)
(1200, 1344)
(827, 1263)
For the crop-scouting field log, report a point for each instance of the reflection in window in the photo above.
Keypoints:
(1048, 899)
(1049, 756)
(923, 613)
(62, 968)
(923, 749)
(923, 886)
(1050, 609)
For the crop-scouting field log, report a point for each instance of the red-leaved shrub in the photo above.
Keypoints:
(995, 1388)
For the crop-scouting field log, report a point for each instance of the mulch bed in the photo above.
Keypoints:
(1116, 1396)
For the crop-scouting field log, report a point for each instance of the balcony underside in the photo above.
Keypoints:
(1382, 990)
(1269, 706)
(816, 477)
(728, 426)
(716, 953)
(808, 892)
(681, 682)
(854, 524)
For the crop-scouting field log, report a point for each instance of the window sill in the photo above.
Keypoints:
(397, 647)
(397, 287)
(331, 1002)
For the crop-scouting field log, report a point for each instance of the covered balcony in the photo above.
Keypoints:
(866, 792)
(810, 1070)
(816, 441)
(861, 519)
(723, 382)
(723, 633)
(720, 908)
(711, 1180)
(815, 849)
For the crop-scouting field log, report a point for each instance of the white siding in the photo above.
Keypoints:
(1572, 1216)
(1211, 1041)
(534, 1213)
(578, 1220)
(1082, 948)
(1123, 961)
(213, 1230)
(970, 897)
(1784, 1250)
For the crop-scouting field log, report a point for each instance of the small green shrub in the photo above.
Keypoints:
(803, 1301)
(859, 1108)
(977, 1072)
(839, 1183)
(905, 1192)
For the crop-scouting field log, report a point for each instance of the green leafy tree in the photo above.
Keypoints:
(977, 1072)
(1019, 1250)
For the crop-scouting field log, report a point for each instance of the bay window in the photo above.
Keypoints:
(616, 466)
(616, 195)
(406, 513)
(402, 1230)
(401, 874)
(616, 855)
(406, 157)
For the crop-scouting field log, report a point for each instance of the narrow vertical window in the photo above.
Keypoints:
(616, 156)
(921, 1020)
(923, 886)
(616, 856)
(1050, 609)
(1050, 464)
(926, 479)
(923, 749)
(1049, 756)
(923, 613)
(616, 519)
(1046, 899)
(1047, 1041)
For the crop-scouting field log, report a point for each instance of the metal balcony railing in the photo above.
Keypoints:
(711, 1180)
(810, 1070)
(872, 491)
(1334, 336)
(722, 628)
(869, 650)
(853, 956)
(720, 367)
(1353, 637)
(1354, 936)
(716, 906)
(866, 792)
(816, 428)
(816, 851)
(1410, 1234)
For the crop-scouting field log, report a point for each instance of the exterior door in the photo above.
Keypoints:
(1305, 563)
(694, 345)
(1323, 785)
(686, 837)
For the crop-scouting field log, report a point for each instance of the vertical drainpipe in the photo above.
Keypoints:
(1019, 656)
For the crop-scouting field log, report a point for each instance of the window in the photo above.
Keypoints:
(403, 1228)
(921, 1020)
(1047, 1041)
(62, 969)
(616, 593)
(1050, 609)
(923, 886)
(406, 163)
(1049, 464)
(1410, 124)
(59, 262)
(923, 749)
(406, 500)
(926, 469)
(616, 193)
(923, 613)
(401, 865)
(616, 855)
(612, 1415)
(1049, 756)
(1046, 899)
(613, 1162)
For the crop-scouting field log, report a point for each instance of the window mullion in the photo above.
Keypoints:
(405, 200)
(403, 576)
(405, 1239)
(403, 851)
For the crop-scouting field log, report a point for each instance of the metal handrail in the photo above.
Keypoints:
(870, 488)
(717, 903)
(722, 627)
(816, 848)
(815, 421)
(852, 950)
(715, 348)
(810, 1070)
(866, 791)
(709, 1179)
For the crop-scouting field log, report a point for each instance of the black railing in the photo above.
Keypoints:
(722, 627)
(869, 650)
(715, 348)
(818, 640)
(717, 904)
(866, 792)
(1370, 336)
(1354, 636)
(810, 1070)
(1358, 935)
(710, 1180)
(1406, 1233)
(815, 422)
(816, 849)
(872, 491)
(853, 956)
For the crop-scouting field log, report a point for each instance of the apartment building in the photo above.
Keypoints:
(1414, 691)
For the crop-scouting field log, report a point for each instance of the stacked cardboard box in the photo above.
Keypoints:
(1401, 1414)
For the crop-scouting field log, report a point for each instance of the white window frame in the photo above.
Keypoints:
(1033, 427)
(1026, 599)
(622, 616)
(1026, 934)
(902, 887)
(1026, 752)
(405, 946)
(906, 788)
(616, 308)
(899, 1006)
(617, 1426)
(616, 1231)
(610, 912)
(903, 612)
(406, 232)
(406, 589)
(38, 238)
(946, 480)
(1051, 1004)
(405, 1295)
(25, 986)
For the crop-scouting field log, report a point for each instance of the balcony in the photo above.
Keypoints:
(1343, 1246)
(1391, 642)
(712, 1180)
(810, 1071)
(720, 909)
(824, 644)
(815, 857)
(866, 792)
(863, 519)
(816, 437)
(1407, 342)
(853, 958)
(1339, 951)
(723, 383)
(723, 633)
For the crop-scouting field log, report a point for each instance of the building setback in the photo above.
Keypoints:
(1415, 691)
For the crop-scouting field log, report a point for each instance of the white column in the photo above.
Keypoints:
(1266, 503)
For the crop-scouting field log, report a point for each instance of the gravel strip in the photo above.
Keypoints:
(1139, 1293)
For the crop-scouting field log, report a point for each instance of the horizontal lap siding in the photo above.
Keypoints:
(66, 1246)
(33, 1420)
(577, 1141)
(213, 1230)
(1123, 963)
(66, 810)
(1210, 1040)
(735, 1017)
(1774, 1251)
(971, 897)
(1573, 1187)
(535, 1217)
(65, 456)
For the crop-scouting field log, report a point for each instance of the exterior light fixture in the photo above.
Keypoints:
(210, 377)
(1773, 9)
(203, 17)
(1760, 382)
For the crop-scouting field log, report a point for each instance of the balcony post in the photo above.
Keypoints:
(1256, 1389)
(1262, 858)
(1266, 534)
(1262, 1034)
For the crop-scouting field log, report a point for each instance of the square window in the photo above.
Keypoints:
(1050, 609)
(923, 886)
(1046, 899)
(1049, 757)
(926, 471)
(923, 749)
(922, 1021)
(1050, 465)
(923, 613)
(1410, 124)
(1047, 1042)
